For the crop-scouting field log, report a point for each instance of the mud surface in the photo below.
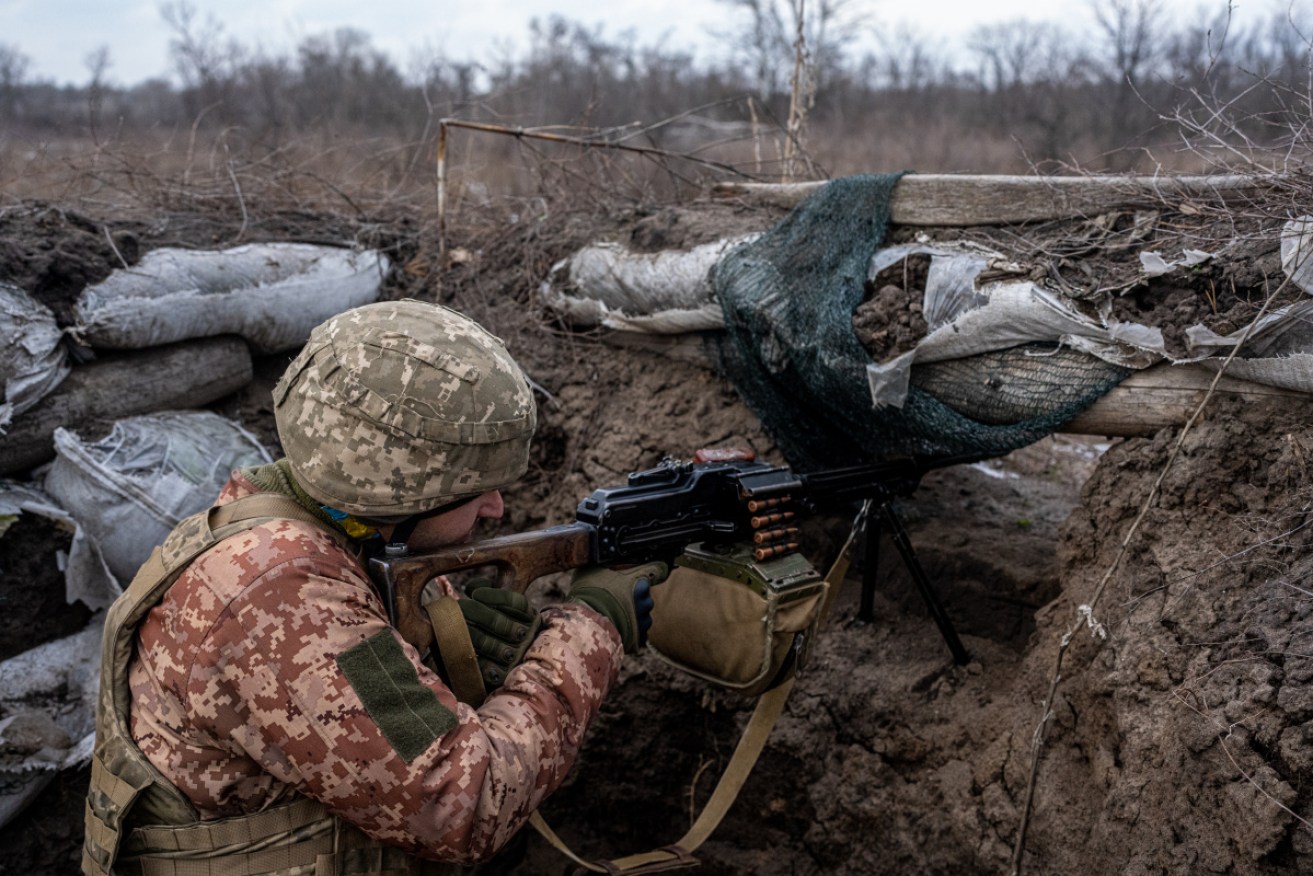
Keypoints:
(54, 254)
(32, 605)
(1181, 741)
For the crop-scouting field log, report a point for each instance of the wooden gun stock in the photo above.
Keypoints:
(519, 559)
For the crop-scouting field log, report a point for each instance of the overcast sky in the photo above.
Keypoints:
(58, 35)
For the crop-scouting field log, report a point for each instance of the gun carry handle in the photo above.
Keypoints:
(520, 559)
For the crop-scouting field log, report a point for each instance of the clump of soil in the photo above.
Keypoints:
(1207, 297)
(889, 321)
(33, 609)
(54, 254)
(1223, 293)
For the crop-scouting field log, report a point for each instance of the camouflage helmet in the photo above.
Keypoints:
(394, 409)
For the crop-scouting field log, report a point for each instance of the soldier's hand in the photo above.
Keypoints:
(623, 596)
(502, 627)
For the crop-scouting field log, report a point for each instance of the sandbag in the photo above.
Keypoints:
(968, 320)
(48, 703)
(188, 374)
(32, 359)
(130, 488)
(272, 294)
(662, 293)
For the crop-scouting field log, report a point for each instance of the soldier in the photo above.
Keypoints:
(259, 715)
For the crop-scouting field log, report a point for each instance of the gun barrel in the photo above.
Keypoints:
(877, 481)
(881, 480)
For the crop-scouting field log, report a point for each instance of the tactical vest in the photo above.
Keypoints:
(138, 823)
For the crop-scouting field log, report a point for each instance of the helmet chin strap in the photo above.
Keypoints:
(402, 532)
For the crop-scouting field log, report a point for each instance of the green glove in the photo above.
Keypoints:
(502, 627)
(622, 596)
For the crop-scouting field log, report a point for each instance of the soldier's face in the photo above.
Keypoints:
(457, 525)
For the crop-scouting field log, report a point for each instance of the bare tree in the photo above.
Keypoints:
(802, 92)
(271, 82)
(97, 63)
(1203, 53)
(203, 57)
(1132, 45)
(762, 43)
(1030, 75)
(13, 74)
(1020, 52)
(766, 41)
(1289, 40)
(1125, 83)
(906, 61)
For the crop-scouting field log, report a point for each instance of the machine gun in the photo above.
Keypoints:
(718, 498)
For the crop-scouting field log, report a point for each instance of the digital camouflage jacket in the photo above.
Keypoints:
(269, 671)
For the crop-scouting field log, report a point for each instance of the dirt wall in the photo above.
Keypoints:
(1174, 743)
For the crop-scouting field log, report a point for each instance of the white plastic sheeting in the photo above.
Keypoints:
(658, 293)
(272, 294)
(965, 319)
(1278, 352)
(1297, 252)
(47, 715)
(1154, 265)
(671, 292)
(32, 359)
(131, 487)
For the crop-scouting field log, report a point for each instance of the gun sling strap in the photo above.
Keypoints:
(452, 639)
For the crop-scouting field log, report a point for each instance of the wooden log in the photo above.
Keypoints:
(1160, 396)
(1166, 395)
(960, 200)
(170, 377)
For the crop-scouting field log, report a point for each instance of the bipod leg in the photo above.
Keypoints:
(904, 545)
(870, 567)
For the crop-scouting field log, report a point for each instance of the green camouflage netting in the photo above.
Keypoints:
(790, 349)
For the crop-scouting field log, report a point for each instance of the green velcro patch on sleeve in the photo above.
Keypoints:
(410, 715)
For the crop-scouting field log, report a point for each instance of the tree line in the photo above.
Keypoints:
(1139, 82)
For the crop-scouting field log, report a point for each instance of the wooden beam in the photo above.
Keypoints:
(177, 376)
(1147, 401)
(1166, 395)
(960, 200)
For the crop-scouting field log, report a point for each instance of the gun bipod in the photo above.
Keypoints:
(875, 520)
